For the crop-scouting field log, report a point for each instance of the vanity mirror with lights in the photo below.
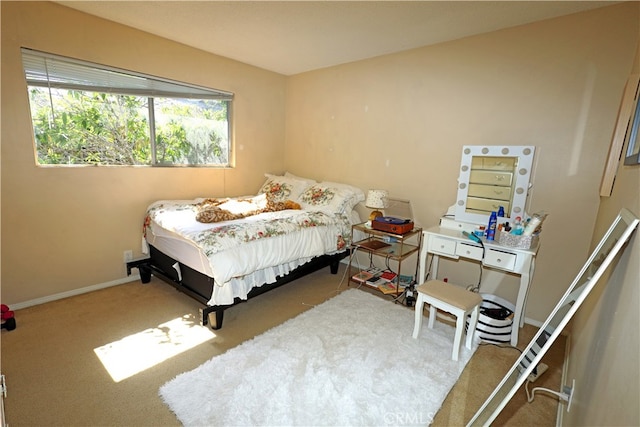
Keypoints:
(490, 177)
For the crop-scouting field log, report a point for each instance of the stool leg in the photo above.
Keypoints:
(418, 316)
(433, 313)
(457, 341)
(473, 323)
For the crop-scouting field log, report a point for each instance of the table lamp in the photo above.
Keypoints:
(376, 199)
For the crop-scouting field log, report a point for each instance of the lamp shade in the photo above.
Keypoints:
(376, 199)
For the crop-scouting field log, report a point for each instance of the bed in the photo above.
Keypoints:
(224, 251)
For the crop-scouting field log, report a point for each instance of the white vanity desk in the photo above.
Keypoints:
(451, 243)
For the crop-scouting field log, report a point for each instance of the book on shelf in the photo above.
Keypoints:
(388, 275)
(405, 280)
(362, 276)
(373, 244)
(375, 281)
(388, 288)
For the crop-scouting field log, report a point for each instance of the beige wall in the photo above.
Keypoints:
(66, 228)
(395, 122)
(399, 122)
(605, 340)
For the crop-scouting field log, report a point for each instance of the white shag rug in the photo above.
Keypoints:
(350, 361)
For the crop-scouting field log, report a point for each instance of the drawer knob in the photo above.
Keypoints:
(499, 260)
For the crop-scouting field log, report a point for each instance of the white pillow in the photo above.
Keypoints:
(282, 188)
(309, 181)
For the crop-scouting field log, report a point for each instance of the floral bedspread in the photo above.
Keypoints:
(213, 238)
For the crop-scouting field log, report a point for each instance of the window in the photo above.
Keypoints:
(89, 114)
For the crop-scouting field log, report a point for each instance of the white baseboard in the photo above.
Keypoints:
(74, 292)
(530, 321)
(563, 381)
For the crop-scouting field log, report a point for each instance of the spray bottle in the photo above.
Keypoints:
(491, 230)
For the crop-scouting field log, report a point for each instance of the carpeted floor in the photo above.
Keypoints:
(55, 377)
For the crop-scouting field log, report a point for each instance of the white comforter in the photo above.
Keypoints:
(241, 254)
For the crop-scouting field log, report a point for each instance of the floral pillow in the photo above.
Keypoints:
(353, 195)
(281, 188)
(330, 198)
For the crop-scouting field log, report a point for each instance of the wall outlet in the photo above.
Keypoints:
(128, 255)
(570, 391)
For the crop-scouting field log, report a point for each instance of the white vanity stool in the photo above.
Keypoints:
(452, 299)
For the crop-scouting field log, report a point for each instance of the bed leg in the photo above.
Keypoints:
(143, 268)
(215, 319)
(334, 267)
(145, 273)
(212, 317)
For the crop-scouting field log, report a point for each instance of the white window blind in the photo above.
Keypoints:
(53, 71)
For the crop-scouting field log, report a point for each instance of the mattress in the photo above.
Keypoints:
(242, 254)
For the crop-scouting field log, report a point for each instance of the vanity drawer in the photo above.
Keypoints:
(490, 191)
(487, 205)
(442, 246)
(467, 250)
(491, 177)
(500, 259)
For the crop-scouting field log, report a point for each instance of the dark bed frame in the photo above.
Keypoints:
(200, 286)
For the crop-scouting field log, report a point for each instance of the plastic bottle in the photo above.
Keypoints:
(517, 227)
(491, 229)
(501, 211)
(533, 224)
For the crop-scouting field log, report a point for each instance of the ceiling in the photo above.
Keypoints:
(291, 37)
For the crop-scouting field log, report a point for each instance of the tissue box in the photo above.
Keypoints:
(518, 241)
